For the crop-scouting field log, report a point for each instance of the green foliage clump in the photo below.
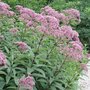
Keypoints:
(51, 69)
(33, 4)
(48, 68)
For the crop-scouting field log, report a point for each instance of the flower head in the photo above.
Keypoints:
(22, 46)
(88, 55)
(67, 31)
(4, 6)
(73, 14)
(13, 31)
(10, 13)
(27, 82)
(1, 37)
(5, 9)
(47, 10)
(19, 7)
(73, 50)
(84, 66)
(3, 59)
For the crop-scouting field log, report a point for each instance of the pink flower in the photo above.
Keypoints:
(75, 36)
(4, 10)
(73, 50)
(28, 11)
(23, 47)
(64, 19)
(27, 82)
(3, 59)
(13, 31)
(10, 13)
(29, 24)
(4, 6)
(73, 14)
(1, 37)
(76, 50)
(76, 45)
(40, 18)
(88, 55)
(25, 16)
(52, 22)
(49, 25)
(58, 33)
(19, 7)
(68, 32)
(84, 66)
(51, 12)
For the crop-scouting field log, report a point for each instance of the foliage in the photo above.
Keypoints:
(33, 4)
(59, 5)
(84, 7)
(31, 52)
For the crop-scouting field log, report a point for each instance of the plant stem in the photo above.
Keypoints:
(50, 51)
(48, 88)
(60, 68)
(36, 53)
(55, 44)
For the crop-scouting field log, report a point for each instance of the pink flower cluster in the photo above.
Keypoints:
(3, 59)
(73, 50)
(84, 66)
(72, 14)
(51, 12)
(4, 6)
(64, 17)
(69, 33)
(13, 31)
(88, 56)
(48, 22)
(5, 9)
(49, 25)
(23, 47)
(1, 37)
(45, 23)
(27, 82)
(27, 15)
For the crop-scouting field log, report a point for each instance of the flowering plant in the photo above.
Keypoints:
(39, 51)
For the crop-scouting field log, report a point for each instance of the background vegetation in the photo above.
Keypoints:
(82, 5)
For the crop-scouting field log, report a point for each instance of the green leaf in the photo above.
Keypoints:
(2, 83)
(38, 75)
(6, 48)
(53, 88)
(42, 80)
(34, 88)
(2, 72)
(40, 71)
(8, 77)
(11, 88)
(59, 86)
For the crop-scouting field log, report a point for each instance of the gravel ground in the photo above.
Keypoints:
(84, 81)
